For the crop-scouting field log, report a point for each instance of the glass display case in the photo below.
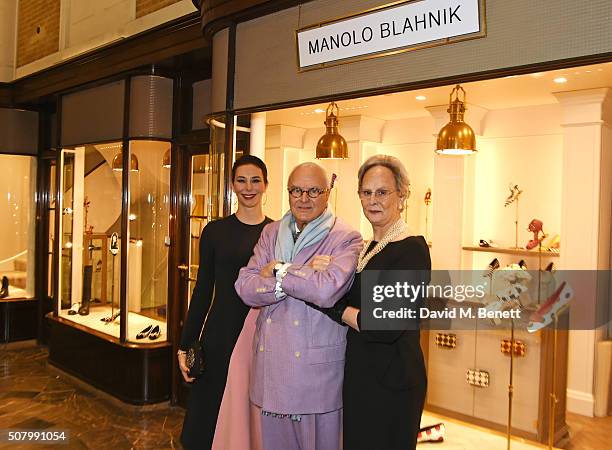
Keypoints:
(90, 276)
(17, 209)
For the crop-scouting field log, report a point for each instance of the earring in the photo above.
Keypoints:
(264, 199)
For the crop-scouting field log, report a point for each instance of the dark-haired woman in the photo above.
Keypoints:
(218, 411)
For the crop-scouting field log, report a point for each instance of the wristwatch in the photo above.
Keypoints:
(278, 266)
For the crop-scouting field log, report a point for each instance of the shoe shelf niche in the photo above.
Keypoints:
(520, 146)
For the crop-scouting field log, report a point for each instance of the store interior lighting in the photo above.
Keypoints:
(117, 163)
(332, 145)
(456, 137)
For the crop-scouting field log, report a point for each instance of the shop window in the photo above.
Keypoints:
(149, 241)
(200, 212)
(17, 225)
(90, 237)
(91, 232)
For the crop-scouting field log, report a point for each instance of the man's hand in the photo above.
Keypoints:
(182, 361)
(320, 262)
(267, 271)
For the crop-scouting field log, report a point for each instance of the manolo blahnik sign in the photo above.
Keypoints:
(397, 27)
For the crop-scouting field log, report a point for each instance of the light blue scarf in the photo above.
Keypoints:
(286, 249)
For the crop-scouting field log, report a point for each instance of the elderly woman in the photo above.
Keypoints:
(384, 376)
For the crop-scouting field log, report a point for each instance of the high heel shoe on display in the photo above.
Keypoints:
(536, 227)
(145, 333)
(492, 267)
(543, 316)
(112, 318)
(552, 244)
(4, 292)
(74, 309)
(155, 333)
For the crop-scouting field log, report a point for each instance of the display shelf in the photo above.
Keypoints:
(136, 374)
(511, 251)
(136, 323)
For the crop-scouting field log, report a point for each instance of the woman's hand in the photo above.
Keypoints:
(349, 317)
(320, 262)
(182, 361)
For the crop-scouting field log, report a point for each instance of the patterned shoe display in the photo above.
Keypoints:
(544, 314)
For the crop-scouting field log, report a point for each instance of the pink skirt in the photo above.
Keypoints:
(239, 422)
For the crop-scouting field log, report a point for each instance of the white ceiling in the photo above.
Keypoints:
(500, 93)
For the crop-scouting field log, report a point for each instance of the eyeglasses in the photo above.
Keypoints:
(313, 192)
(380, 194)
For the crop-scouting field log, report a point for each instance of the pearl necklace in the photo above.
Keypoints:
(396, 230)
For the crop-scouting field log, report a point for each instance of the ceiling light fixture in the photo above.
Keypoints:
(560, 80)
(332, 145)
(421, 98)
(117, 163)
(456, 137)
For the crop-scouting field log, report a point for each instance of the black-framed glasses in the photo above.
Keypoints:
(379, 194)
(313, 192)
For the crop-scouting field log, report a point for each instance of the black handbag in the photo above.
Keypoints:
(195, 359)
(195, 353)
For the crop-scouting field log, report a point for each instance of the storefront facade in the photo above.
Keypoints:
(559, 148)
(81, 221)
(116, 249)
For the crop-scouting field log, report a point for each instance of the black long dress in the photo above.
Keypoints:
(384, 377)
(225, 246)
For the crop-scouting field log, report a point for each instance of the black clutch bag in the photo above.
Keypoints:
(195, 353)
(195, 359)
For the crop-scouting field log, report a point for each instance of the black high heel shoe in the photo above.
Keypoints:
(155, 333)
(492, 267)
(144, 333)
(4, 292)
(84, 309)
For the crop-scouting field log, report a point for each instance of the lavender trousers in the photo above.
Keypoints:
(313, 432)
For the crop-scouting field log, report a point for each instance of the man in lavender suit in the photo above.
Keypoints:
(298, 365)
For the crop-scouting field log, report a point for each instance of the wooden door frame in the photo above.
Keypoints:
(179, 230)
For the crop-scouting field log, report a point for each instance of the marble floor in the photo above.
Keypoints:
(35, 396)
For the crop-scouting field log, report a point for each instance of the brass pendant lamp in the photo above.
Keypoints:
(117, 163)
(456, 137)
(332, 145)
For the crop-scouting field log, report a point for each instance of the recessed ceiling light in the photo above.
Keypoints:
(560, 80)
(319, 110)
(421, 98)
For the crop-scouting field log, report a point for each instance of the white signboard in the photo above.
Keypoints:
(388, 29)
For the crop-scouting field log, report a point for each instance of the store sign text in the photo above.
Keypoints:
(403, 26)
